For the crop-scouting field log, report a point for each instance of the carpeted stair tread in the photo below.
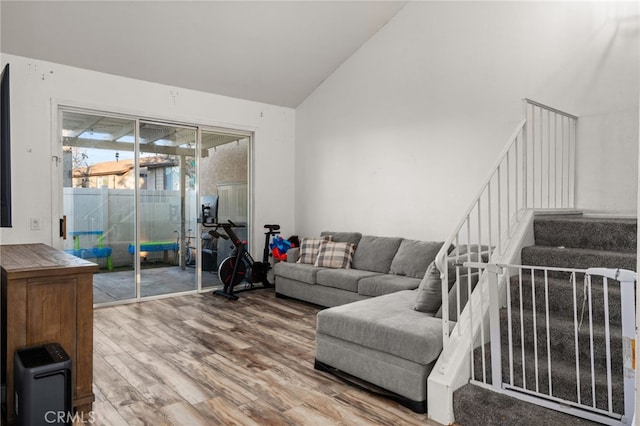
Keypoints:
(577, 258)
(559, 293)
(610, 234)
(476, 406)
(562, 337)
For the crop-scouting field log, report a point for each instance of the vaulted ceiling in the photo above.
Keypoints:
(275, 52)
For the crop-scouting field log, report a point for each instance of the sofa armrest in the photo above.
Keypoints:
(293, 254)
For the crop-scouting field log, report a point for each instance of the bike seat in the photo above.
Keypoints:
(272, 227)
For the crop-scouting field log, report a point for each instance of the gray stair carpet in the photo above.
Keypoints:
(570, 241)
(493, 408)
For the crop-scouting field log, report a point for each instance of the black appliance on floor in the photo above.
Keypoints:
(42, 376)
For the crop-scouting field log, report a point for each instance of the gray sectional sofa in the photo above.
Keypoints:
(380, 265)
(384, 325)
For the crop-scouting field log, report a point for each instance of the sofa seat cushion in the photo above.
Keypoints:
(385, 284)
(344, 279)
(297, 271)
(375, 253)
(388, 324)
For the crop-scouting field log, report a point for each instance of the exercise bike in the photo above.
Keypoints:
(240, 265)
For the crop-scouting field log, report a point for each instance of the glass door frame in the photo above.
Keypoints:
(59, 108)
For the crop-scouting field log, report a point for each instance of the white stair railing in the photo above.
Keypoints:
(536, 170)
(600, 351)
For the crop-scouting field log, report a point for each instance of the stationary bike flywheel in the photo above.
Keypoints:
(225, 272)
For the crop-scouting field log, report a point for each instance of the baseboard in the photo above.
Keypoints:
(419, 407)
(284, 296)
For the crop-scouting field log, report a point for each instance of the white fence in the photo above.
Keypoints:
(112, 211)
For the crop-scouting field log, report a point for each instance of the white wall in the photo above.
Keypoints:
(37, 85)
(399, 138)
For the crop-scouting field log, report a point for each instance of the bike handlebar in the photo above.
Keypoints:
(229, 224)
(272, 229)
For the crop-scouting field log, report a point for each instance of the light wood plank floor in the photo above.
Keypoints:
(203, 360)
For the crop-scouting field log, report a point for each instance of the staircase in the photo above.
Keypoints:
(544, 361)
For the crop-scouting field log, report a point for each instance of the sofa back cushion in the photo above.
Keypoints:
(429, 293)
(483, 251)
(343, 237)
(375, 253)
(293, 254)
(463, 286)
(413, 257)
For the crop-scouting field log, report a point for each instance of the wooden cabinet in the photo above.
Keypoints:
(47, 296)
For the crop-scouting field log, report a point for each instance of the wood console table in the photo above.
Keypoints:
(47, 296)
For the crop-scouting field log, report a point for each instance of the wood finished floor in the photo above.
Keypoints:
(203, 360)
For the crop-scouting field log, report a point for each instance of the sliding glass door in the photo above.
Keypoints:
(139, 197)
